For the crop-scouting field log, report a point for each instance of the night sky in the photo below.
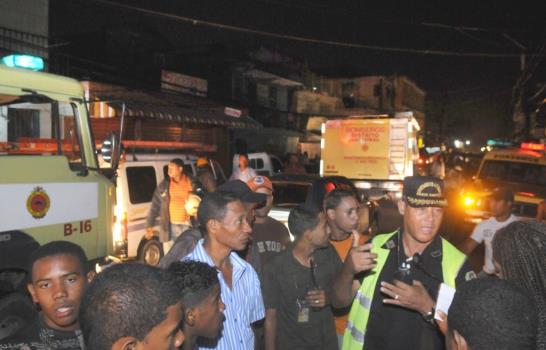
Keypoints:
(469, 83)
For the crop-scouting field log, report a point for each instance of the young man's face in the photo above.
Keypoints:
(422, 224)
(243, 162)
(209, 315)
(58, 283)
(263, 211)
(234, 230)
(345, 216)
(500, 207)
(167, 335)
(320, 234)
(174, 171)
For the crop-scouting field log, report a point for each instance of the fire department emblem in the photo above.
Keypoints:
(38, 203)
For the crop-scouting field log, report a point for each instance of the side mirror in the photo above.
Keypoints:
(111, 149)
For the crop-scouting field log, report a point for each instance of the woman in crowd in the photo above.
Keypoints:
(519, 253)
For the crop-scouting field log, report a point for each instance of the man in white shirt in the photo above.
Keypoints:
(500, 205)
(244, 172)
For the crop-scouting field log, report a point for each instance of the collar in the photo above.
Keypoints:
(434, 249)
(239, 265)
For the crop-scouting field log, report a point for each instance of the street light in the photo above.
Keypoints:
(24, 61)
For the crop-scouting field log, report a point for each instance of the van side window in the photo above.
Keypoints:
(277, 166)
(142, 183)
(257, 163)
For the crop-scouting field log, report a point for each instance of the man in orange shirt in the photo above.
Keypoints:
(169, 203)
(341, 209)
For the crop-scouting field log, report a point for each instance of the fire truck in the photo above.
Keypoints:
(51, 186)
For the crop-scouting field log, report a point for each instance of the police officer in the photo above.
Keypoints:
(395, 278)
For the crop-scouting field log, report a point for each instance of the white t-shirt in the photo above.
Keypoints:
(244, 175)
(484, 232)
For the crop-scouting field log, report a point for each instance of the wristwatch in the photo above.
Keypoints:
(429, 316)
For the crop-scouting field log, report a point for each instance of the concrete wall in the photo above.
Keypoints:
(31, 16)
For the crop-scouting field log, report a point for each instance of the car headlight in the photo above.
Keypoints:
(468, 201)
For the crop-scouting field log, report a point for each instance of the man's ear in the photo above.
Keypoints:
(401, 206)
(308, 235)
(125, 343)
(32, 292)
(190, 315)
(331, 214)
(459, 340)
(212, 225)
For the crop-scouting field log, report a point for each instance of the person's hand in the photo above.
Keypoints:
(442, 325)
(316, 298)
(360, 258)
(149, 233)
(414, 297)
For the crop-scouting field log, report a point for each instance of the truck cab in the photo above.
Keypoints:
(523, 170)
(50, 183)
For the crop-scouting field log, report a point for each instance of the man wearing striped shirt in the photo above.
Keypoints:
(223, 219)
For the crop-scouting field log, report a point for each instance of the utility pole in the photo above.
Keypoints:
(520, 116)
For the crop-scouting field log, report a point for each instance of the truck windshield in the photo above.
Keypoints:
(532, 174)
(36, 125)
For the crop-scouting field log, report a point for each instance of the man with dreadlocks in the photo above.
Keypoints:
(519, 255)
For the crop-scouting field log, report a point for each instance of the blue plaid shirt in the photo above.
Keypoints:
(244, 303)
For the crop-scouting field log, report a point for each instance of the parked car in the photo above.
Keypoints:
(263, 163)
(290, 190)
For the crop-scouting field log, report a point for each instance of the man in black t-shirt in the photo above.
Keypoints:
(296, 287)
(58, 281)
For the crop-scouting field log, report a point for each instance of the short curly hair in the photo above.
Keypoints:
(195, 280)
(126, 299)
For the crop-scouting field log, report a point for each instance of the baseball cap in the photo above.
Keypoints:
(424, 191)
(260, 182)
(502, 193)
(202, 161)
(241, 190)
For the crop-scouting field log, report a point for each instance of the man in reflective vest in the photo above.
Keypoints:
(393, 280)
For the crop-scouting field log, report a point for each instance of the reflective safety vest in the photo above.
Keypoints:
(353, 338)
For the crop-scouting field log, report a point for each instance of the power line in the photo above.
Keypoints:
(198, 22)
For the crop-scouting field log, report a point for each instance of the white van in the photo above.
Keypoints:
(137, 180)
(138, 177)
(263, 163)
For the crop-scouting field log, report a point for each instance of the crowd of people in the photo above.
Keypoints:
(235, 280)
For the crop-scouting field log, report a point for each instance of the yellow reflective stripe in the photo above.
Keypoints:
(363, 300)
(353, 338)
(355, 333)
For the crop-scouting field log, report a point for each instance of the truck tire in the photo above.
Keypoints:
(16, 311)
(151, 252)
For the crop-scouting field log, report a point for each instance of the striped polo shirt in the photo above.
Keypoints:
(244, 303)
(179, 192)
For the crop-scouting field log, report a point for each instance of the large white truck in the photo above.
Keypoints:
(51, 187)
(376, 152)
